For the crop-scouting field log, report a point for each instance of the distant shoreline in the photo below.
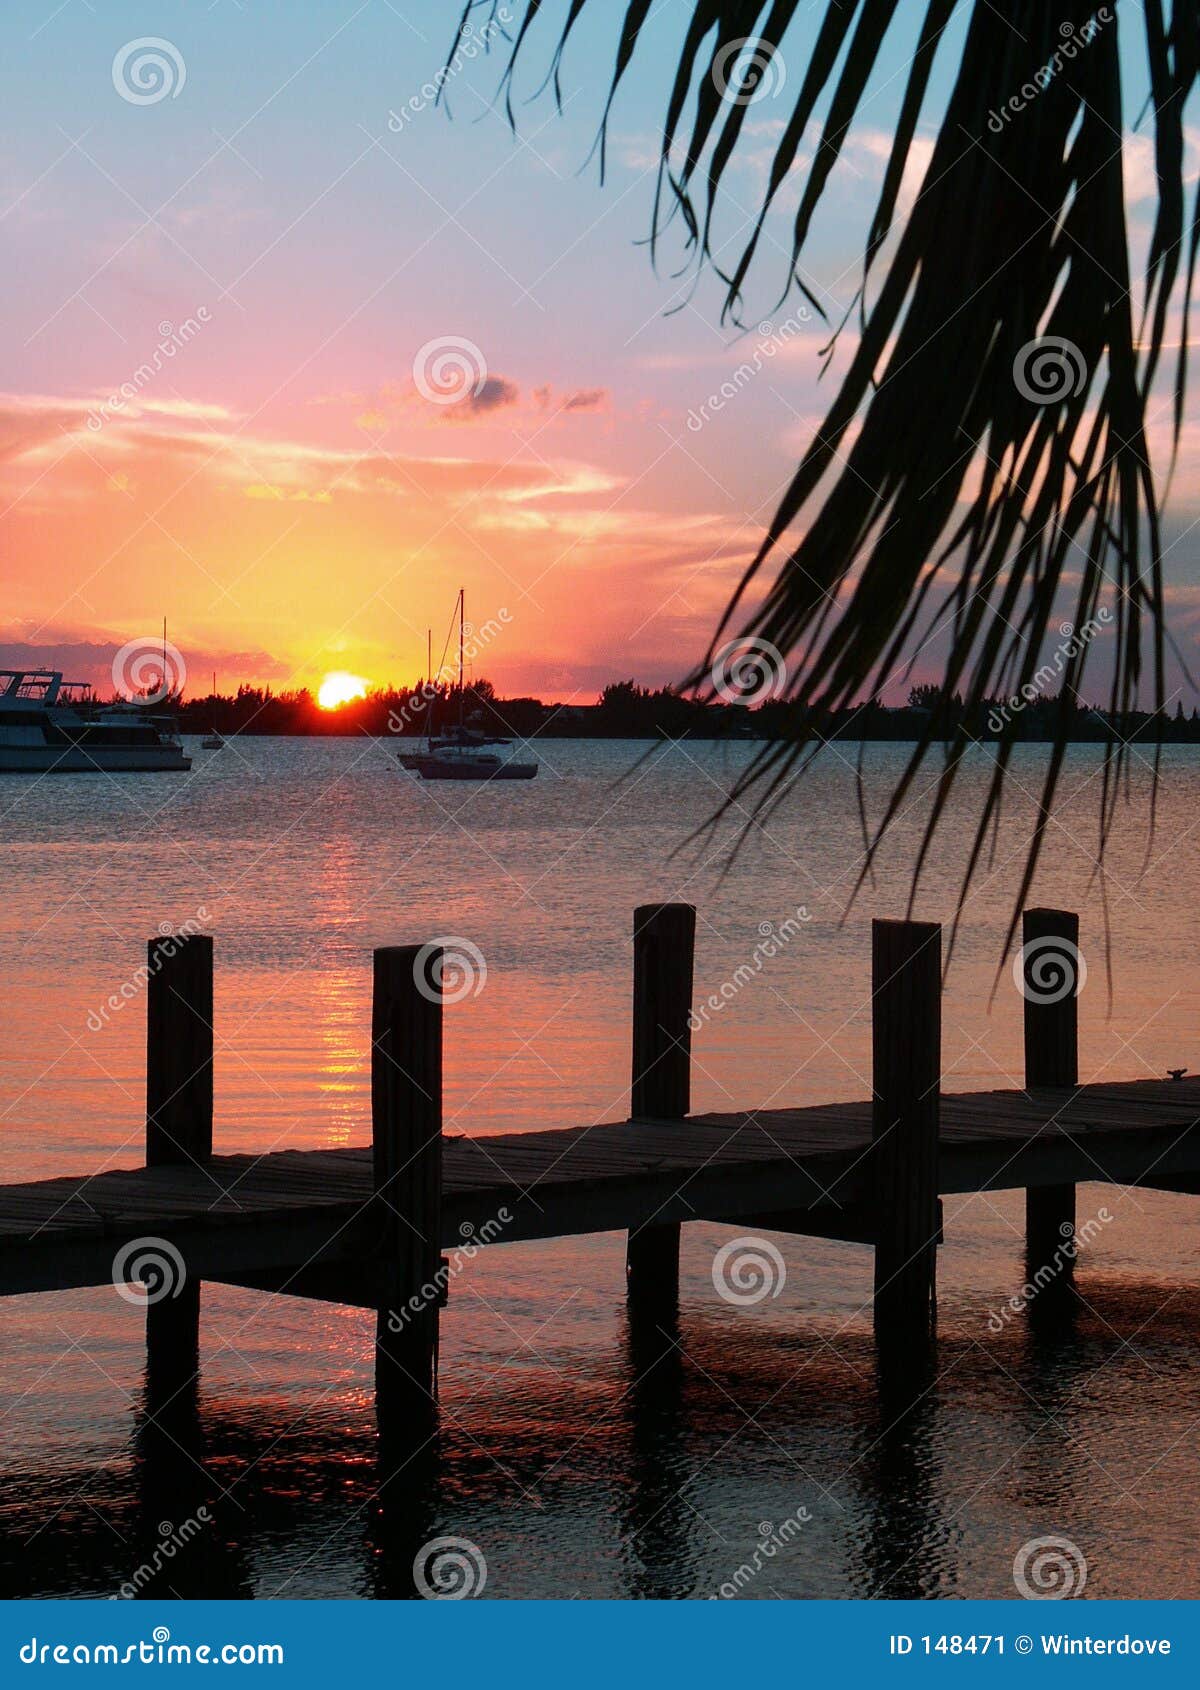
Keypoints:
(627, 711)
(910, 737)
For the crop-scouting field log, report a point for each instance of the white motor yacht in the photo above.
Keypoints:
(52, 726)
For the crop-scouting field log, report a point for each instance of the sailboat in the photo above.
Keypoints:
(212, 740)
(411, 759)
(464, 752)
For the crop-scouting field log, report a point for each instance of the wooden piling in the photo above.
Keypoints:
(335, 1225)
(1051, 938)
(906, 960)
(179, 1132)
(179, 1049)
(406, 1136)
(664, 945)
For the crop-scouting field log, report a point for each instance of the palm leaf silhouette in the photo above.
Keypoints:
(987, 449)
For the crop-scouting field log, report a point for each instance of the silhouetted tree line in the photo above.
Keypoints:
(628, 711)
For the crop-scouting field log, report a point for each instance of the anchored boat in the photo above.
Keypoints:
(212, 740)
(52, 726)
(464, 752)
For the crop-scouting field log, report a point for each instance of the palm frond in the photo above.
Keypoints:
(987, 449)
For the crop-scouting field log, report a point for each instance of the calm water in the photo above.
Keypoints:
(572, 1470)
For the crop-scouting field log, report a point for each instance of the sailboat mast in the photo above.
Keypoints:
(462, 613)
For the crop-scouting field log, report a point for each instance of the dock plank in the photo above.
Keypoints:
(285, 1202)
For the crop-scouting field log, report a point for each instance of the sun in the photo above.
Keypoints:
(339, 688)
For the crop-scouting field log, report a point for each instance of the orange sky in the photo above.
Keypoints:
(277, 278)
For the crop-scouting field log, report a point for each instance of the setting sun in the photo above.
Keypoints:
(339, 688)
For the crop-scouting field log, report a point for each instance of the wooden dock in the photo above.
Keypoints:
(369, 1226)
(297, 1209)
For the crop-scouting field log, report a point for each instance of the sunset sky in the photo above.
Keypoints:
(298, 222)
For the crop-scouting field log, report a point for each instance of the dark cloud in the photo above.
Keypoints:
(577, 399)
(91, 660)
(494, 393)
(586, 399)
